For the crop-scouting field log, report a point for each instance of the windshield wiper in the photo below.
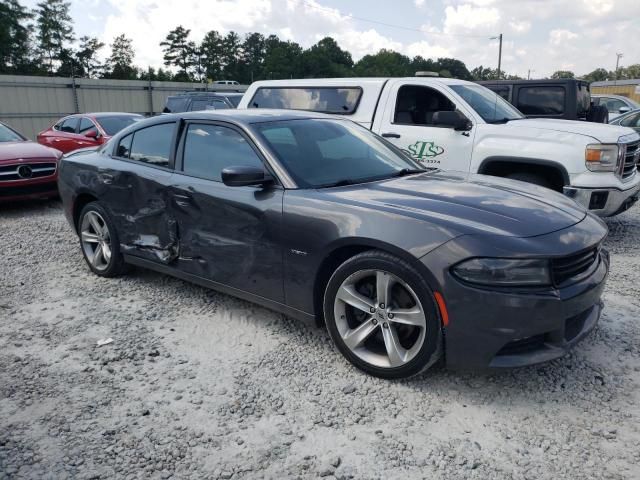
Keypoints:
(340, 183)
(407, 171)
(500, 120)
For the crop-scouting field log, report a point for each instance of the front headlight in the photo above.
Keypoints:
(602, 158)
(504, 272)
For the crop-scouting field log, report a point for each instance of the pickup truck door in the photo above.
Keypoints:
(406, 122)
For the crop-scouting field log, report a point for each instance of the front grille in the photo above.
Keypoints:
(523, 346)
(29, 170)
(21, 190)
(630, 163)
(572, 267)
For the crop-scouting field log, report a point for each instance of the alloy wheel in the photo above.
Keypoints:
(96, 240)
(380, 318)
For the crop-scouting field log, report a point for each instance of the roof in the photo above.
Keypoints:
(245, 116)
(353, 81)
(613, 83)
(104, 114)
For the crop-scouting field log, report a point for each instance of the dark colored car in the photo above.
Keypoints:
(196, 101)
(567, 99)
(630, 119)
(321, 219)
(85, 130)
(27, 170)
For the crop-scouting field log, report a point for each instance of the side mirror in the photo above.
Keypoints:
(242, 176)
(93, 133)
(455, 120)
(624, 110)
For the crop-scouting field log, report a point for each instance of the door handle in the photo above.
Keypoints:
(391, 135)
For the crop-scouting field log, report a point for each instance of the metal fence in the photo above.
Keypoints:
(31, 104)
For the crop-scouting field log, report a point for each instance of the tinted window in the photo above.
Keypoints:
(217, 105)
(8, 135)
(201, 104)
(210, 148)
(113, 124)
(613, 105)
(175, 104)
(235, 100)
(416, 105)
(321, 153)
(124, 147)
(327, 100)
(489, 105)
(541, 100)
(631, 120)
(153, 144)
(69, 125)
(86, 125)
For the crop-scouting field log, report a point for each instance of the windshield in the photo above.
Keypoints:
(324, 153)
(8, 135)
(489, 105)
(235, 100)
(112, 125)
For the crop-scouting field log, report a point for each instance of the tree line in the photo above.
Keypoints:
(42, 41)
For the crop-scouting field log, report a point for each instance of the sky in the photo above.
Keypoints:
(540, 36)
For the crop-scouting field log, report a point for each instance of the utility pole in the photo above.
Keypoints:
(529, 73)
(619, 56)
(499, 37)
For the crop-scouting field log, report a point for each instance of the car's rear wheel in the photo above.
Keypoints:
(381, 315)
(99, 241)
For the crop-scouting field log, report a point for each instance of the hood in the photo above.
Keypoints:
(602, 132)
(468, 203)
(27, 151)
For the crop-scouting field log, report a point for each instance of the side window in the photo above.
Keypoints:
(613, 104)
(86, 125)
(416, 105)
(198, 105)
(69, 125)
(208, 149)
(152, 145)
(217, 105)
(124, 147)
(541, 100)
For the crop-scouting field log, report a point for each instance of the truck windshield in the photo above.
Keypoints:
(327, 153)
(490, 106)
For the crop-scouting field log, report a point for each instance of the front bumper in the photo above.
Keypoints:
(513, 327)
(604, 202)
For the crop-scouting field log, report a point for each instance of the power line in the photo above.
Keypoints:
(391, 25)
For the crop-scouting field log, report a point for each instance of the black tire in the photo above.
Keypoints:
(529, 177)
(430, 349)
(116, 264)
(598, 114)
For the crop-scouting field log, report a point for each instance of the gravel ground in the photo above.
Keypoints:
(197, 384)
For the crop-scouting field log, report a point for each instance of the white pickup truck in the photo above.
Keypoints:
(458, 125)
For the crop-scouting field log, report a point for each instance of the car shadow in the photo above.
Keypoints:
(19, 208)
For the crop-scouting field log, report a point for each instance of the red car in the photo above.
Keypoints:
(85, 130)
(27, 170)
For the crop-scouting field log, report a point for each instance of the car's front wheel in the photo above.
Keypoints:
(381, 315)
(99, 241)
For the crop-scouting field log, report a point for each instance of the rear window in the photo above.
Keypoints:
(175, 105)
(541, 100)
(337, 100)
(113, 124)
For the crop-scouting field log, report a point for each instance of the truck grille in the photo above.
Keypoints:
(26, 171)
(572, 267)
(631, 159)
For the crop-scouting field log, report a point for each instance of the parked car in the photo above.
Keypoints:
(320, 219)
(629, 119)
(27, 170)
(567, 99)
(195, 101)
(85, 130)
(226, 82)
(616, 105)
(462, 126)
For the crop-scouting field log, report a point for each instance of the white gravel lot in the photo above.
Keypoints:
(197, 384)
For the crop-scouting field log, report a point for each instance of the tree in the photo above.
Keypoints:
(451, 67)
(327, 59)
(282, 59)
(179, 52)
(598, 75)
(631, 72)
(482, 73)
(385, 63)
(54, 30)
(120, 62)
(563, 74)
(231, 56)
(254, 51)
(87, 56)
(14, 37)
(211, 54)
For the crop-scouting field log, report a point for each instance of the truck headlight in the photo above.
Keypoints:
(504, 272)
(602, 158)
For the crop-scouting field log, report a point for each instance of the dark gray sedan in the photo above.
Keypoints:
(323, 220)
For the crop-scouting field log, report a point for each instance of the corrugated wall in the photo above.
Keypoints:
(31, 104)
(631, 91)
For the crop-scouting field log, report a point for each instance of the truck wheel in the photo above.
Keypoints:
(528, 177)
(598, 114)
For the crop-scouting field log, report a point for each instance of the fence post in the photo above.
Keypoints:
(150, 95)
(76, 104)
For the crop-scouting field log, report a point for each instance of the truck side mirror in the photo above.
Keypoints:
(455, 120)
(624, 110)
